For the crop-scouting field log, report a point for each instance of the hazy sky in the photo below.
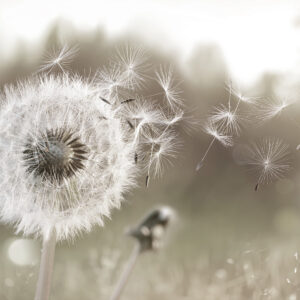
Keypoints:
(255, 35)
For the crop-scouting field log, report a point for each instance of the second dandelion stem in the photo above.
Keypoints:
(127, 271)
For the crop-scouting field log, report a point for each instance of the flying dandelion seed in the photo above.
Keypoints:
(268, 109)
(237, 94)
(113, 83)
(60, 59)
(161, 149)
(225, 122)
(269, 159)
(170, 87)
(133, 64)
(227, 119)
(143, 117)
(217, 134)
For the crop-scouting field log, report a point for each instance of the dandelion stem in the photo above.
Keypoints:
(205, 154)
(126, 272)
(46, 267)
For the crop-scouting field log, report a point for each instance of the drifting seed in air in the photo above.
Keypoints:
(256, 187)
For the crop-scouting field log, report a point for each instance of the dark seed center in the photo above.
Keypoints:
(55, 155)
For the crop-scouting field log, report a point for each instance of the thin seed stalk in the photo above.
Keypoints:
(126, 272)
(199, 165)
(46, 267)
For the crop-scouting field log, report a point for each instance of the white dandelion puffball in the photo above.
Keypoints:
(67, 154)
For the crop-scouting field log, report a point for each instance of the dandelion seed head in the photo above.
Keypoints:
(66, 169)
(66, 156)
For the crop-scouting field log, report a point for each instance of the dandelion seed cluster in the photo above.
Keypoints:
(225, 122)
(71, 147)
(270, 157)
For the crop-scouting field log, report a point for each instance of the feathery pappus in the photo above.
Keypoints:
(269, 159)
(269, 108)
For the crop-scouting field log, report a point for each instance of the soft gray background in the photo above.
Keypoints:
(228, 241)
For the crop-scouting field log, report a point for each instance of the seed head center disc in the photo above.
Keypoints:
(54, 155)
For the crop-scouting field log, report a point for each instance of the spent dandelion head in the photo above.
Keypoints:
(150, 231)
(66, 157)
(269, 159)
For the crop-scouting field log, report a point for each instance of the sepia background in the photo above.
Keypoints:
(227, 241)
